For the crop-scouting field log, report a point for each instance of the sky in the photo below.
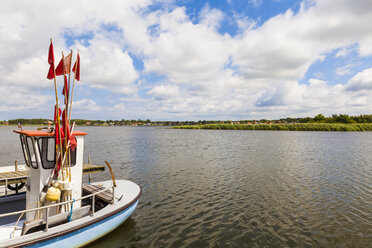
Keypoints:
(189, 60)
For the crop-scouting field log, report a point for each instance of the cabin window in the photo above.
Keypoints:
(26, 154)
(47, 147)
(47, 152)
(30, 148)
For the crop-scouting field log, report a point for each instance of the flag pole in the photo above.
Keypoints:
(73, 86)
(56, 109)
(64, 140)
(68, 90)
(70, 106)
(67, 95)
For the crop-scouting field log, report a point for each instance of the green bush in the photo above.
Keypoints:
(285, 127)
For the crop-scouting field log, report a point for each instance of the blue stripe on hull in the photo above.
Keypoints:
(89, 233)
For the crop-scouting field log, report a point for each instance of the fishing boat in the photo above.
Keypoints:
(54, 208)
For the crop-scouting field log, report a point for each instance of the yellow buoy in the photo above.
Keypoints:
(53, 194)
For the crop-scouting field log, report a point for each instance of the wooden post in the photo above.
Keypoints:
(89, 175)
(16, 169)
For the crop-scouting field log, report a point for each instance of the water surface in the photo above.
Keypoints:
(225, 188)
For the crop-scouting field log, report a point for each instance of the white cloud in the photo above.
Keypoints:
(106, 64)
(202, 72)
(344, 70)
(85, 105)
(210, 17)
(361, 81)
(19, 99)
(164, 91)
(255, 3)
(318, 75)
(342, 52)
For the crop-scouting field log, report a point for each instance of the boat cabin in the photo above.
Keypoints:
(39, 151)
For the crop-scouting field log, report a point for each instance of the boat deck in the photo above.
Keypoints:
(105, 196)
(12, 177)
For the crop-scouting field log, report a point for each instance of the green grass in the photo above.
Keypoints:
(286, 127)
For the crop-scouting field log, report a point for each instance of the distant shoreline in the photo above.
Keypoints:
(356, 127)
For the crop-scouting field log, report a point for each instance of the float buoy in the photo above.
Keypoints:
(53, 194)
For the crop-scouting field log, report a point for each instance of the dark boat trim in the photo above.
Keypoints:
(28, 243)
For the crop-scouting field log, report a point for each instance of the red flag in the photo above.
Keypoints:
(77, 66)
(64, 120)
(55, 113)
(66, 67)
(51, 62)
(65, 90)
(58, 132)
(68, 135)
(51, 54)
(73, 143)
(51, 72)
(58, 129)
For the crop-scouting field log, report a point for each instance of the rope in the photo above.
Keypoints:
(15, 226)
(70, 215)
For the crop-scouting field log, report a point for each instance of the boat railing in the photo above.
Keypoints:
(93, 195)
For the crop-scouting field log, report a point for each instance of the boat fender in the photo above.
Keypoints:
(63, 185)
(17, 186)
(55, 184)
(53, 194)
(67, 192)
(42, 197)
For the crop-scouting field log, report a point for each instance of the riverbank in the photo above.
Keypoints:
(356, 127)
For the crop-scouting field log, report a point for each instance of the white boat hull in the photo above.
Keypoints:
(85, 230)
(89, 233)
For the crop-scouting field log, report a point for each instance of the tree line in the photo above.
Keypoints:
(320, 118)
(341, 118)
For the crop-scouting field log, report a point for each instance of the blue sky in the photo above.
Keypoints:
(190, 60)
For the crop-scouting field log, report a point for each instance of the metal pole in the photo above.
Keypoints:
(113, 194)
(93, 204)
(16, 169)
(47, 220)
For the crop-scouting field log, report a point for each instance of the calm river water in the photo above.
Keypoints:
(218, 188)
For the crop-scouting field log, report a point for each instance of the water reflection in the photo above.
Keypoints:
(238, 188)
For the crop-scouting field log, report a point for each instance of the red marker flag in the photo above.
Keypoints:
(77, 70)
(65, 90)
(68, 134)
(58, 131)
(51, 62)
(50, 72)
(51, 54)
(66, 67)
(55, 113)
